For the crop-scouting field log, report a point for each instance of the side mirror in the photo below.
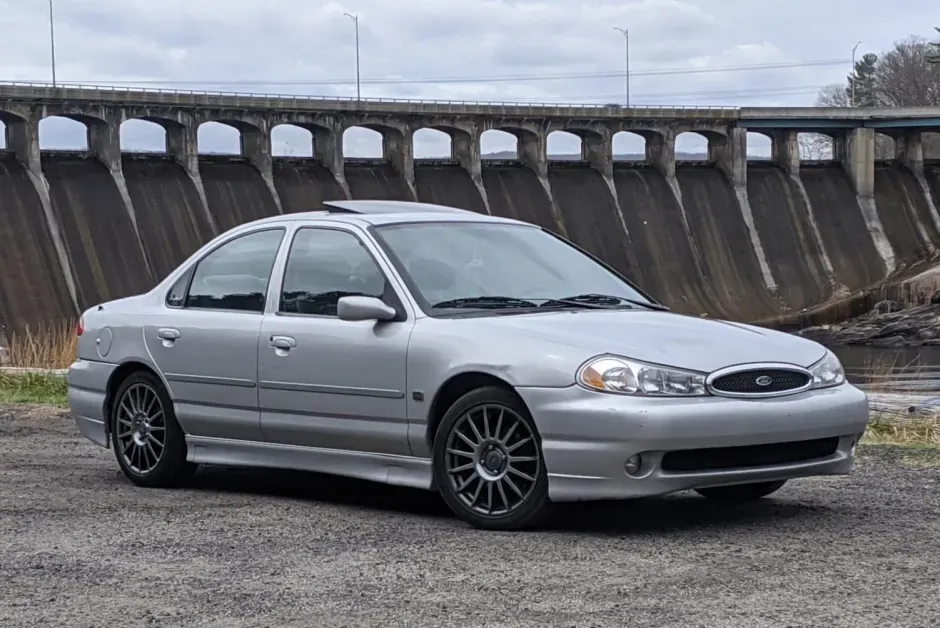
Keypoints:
(363, 309)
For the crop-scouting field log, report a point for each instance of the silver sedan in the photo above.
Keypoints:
(430, 347)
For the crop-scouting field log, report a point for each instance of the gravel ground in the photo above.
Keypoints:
(81, 546)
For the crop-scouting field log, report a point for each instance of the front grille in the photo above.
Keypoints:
(719, 458)
(746, 382)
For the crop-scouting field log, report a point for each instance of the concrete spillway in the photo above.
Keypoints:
(685, 240)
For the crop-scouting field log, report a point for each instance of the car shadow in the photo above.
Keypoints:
(675, 513)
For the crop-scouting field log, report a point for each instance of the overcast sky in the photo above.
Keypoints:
(308, 47)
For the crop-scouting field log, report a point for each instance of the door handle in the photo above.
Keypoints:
(166, 333)
(283, 342)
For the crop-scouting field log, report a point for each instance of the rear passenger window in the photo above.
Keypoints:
(324, 265)
(235, 276)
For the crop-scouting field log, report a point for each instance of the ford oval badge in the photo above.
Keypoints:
(763, 380)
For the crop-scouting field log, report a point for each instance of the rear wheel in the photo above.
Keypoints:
(488, 461)
(147, 440)
(740, 493)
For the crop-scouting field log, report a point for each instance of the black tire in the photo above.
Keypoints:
(171, 469)
(741, 493)
(533, 504)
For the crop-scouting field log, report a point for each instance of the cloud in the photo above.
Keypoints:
(308, 47)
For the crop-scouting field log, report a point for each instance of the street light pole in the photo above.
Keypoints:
(854, 72)
(355, 19)
(626, 59)
(52, 41)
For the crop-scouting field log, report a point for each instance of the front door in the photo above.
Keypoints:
(205, 341)
(325, 382)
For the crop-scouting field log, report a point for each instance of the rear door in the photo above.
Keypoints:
(325, 382)
(205, 340)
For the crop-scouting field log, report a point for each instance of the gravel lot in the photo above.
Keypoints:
(81, 546)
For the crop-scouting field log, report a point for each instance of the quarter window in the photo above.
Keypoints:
(235, 276)
(325, 265)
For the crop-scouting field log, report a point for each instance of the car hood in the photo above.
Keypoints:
(658, 337)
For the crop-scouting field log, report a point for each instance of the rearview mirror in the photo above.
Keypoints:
(363, 309)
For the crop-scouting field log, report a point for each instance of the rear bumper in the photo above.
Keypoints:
(88, 383)
(587, 438)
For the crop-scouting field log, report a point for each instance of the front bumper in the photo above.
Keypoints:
(588, 436)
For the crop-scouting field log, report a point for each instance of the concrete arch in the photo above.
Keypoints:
(435, 142)
(292, 140)
(143, 135)
(759, 145)
(8, 122)
(63, 131)
(363, 142)
(497, 144)
(395, 139)
(696, 145)
(215, 137)
(564, 145)
(628, 146)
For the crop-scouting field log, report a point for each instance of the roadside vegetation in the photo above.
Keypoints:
(44, 347)
(33, 388)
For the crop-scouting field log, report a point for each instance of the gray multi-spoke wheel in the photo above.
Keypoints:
(148, 443)
(488, 461)
(140, 428)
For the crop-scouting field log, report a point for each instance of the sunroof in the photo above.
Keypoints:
(388, 207)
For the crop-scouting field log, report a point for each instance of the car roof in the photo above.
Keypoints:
(381, 212)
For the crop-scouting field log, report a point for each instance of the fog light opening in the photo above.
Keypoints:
(633, 464)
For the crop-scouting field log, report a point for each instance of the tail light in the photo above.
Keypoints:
(80, 327)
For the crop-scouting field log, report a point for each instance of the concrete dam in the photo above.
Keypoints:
(759, 241)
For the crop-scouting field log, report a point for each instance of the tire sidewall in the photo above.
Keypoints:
(174, 454)
(536, 504)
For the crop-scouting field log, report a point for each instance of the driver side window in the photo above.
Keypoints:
(324, 265)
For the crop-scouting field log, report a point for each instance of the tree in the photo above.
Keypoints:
(864, 83)
(908, 75)
(905, 78)
(934, 56)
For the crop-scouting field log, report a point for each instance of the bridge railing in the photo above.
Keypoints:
(19, 90)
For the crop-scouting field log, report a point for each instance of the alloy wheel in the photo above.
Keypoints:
(140, 428)
(492, 460)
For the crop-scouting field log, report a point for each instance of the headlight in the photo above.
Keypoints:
(828, 372)
(629, 377)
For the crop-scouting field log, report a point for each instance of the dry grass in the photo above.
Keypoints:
(884, 430)
(883, 372)
(50, 347)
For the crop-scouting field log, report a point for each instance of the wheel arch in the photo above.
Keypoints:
(455, 387)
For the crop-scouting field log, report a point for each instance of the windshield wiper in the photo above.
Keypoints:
(590, 300)
(485, 302)
(605, 300)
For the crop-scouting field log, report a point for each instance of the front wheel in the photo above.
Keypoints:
(148, 442)
(488, 461)
(740, 493)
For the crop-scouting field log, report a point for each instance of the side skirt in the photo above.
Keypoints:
(383, 468)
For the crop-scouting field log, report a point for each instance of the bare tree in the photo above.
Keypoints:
(904, 77)
(934, 56)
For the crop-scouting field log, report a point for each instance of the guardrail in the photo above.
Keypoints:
(14, 90)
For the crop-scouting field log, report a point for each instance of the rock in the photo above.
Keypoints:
(886, 307)
(935, 297)
(884, 326)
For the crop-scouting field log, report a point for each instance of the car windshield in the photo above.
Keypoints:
(499, 266)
